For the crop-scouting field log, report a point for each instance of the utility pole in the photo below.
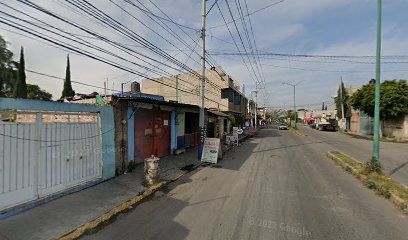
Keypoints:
(201, 123)
(256, 106)
(105, 86)
(342, 105)
(294, 104)
(376, 138)
(177, 88)
(264, 111)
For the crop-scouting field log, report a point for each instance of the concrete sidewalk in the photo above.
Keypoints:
(370, 137)
(55, 218)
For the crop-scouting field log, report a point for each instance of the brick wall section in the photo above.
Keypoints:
(355, 121)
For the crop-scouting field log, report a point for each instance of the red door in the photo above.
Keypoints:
(152, 133)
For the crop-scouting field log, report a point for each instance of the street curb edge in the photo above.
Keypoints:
(398, 202)
(81, 230)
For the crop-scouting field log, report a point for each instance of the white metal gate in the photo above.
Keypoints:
(47, 152)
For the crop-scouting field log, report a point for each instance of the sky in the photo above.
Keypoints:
(318, 27)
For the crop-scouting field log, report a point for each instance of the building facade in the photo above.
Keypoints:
(221, 92)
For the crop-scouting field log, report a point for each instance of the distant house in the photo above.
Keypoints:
(222, 93)
(359, 122)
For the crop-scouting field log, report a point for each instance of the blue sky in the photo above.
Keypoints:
(321, 27)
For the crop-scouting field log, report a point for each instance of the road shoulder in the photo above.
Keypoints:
(382, 184)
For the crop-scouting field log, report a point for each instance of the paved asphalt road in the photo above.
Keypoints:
(275, 186)
(393, 156)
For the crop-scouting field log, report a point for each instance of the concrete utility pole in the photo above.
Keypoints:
(201, 123)
(376, 138)
(342, 105)
(264, 111)
(294, 104)
(256, 106)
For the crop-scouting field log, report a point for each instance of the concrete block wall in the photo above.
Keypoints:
(396, 128)
(189, 92)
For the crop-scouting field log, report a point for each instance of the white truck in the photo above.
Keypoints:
(326, 123)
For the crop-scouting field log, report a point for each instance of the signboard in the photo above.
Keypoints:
(235, 132)
(251, 131)
(229, 139)
(210, 150)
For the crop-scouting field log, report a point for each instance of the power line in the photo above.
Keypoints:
(334, 71)
(220, 52)
(256, 11)
(242, 42)
(59, 78)
(85, 42)
(208, 58)
(215, 2)
(119, 27)
(235, 43)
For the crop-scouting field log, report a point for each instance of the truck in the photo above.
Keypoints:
(326, 123)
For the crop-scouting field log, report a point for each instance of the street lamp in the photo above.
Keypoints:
(294, 98)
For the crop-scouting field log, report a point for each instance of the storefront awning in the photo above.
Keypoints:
(218, 113)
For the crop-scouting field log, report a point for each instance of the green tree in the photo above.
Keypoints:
(20, 88)
(7, 73)
(238, 120)
(394, 99)
(342, 97)
(35, 92)
(323, 106)
(67, 91)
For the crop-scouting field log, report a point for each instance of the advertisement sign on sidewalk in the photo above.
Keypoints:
(235, 132)
(210, 150)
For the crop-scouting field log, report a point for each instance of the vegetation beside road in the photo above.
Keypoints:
(375, 180)
(297, 131)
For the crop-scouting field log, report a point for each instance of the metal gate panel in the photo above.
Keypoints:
(16, 169)
(44, 153)
(72, 154)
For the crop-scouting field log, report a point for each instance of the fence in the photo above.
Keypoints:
(46, 152)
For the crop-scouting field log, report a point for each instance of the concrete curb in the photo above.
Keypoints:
(346, 166)
(297, 132)
(397, 201)
(81, 230)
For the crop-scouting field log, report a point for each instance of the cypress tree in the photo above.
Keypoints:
(20, 88)
(67, 91)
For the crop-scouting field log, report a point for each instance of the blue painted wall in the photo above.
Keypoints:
(107, 123)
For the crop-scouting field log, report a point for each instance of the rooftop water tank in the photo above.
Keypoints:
(135, 87)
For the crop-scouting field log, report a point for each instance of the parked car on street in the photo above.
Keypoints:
(283, 126)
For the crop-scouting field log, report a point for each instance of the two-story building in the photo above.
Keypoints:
(222, 94)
